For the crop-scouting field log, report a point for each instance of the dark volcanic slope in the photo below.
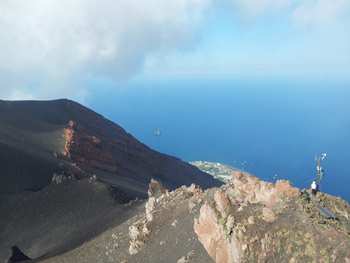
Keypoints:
(58, 218)
(32, 148)
(41, 138)
(30, 133)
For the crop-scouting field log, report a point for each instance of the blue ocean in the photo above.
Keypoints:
(272, 128)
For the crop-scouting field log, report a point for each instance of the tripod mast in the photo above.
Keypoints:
(319, 169)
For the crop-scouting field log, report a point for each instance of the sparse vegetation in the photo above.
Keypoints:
(338, 207)
(260, 216)
(309, 249)
(229, 236)
(188, 194)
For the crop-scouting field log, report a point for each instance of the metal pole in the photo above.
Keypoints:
(319, 168)
(319, 172)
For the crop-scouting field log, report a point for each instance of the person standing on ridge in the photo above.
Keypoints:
(313, 187)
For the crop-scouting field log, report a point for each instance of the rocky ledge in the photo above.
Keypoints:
(246, 220)
(250, 220)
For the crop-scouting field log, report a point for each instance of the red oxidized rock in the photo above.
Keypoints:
(269, 215)
(87, 149)
(247, 188)
(212, 235)
(221, 201)
(285, 187)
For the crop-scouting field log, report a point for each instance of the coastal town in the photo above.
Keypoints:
(217, 170)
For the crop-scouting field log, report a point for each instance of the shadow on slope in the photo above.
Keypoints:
(59, 218)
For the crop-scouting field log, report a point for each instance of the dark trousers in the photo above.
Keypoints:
(313, 191)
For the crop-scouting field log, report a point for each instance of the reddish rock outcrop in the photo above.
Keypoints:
(269, 215)
(223, 248)
(248, 188)
(225, 242)
(285, 188)
(221, 201)
(87, 149)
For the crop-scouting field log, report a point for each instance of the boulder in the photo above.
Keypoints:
(150, 207)
(269, 215)
(133, 248)
(251, 220)
(230, 224)
(133, 232)
(221, 201)
(156, 189)
(191, 188)
(286, 188)
(59, 178)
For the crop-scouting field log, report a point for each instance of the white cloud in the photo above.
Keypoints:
(254, 9)
(46, 46)
(321, 12)
(51, 41)
(20, 95)
(317, 12)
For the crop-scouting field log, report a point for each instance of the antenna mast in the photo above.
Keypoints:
(319, 169)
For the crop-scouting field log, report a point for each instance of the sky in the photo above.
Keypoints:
(53, 49)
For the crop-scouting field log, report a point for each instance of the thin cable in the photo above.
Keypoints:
(335, 189)
(311, 179)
